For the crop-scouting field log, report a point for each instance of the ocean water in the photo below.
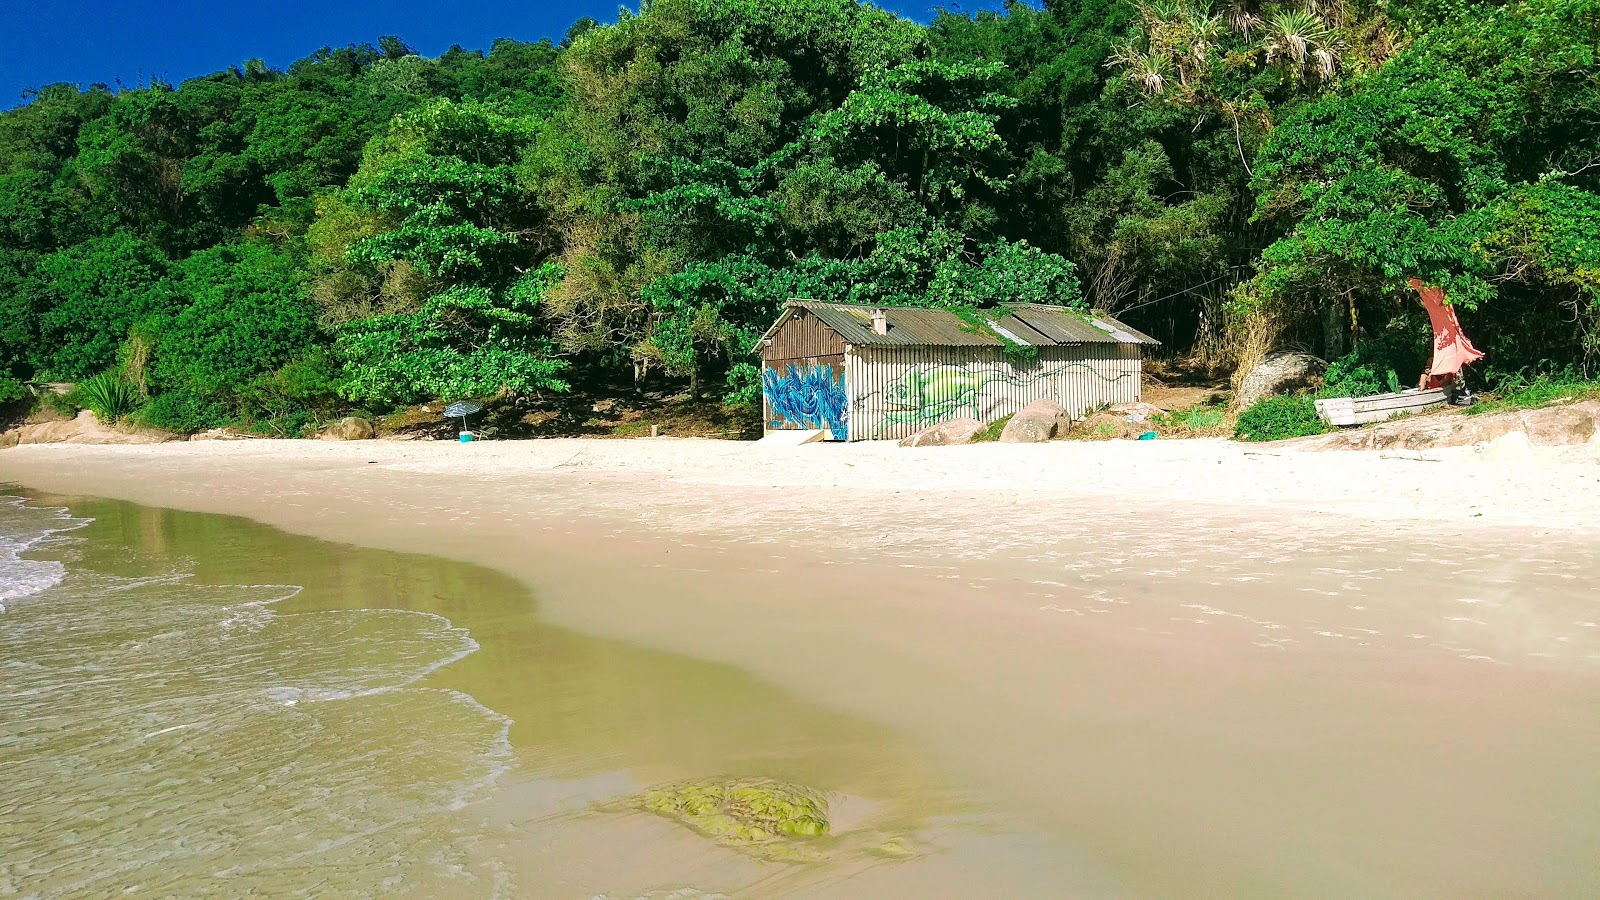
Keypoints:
(171, 737)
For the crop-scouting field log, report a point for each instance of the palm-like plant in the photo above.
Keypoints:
(1175, 40)
(1303, 40)
(1241, 16)
(1147, 70)
(1204, 31)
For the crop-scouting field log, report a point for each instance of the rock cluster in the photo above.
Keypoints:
(84, 429)
(349, 428)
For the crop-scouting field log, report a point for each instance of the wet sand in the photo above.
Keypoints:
(1132, 693)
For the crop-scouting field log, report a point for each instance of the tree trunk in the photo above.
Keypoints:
(1334, 330)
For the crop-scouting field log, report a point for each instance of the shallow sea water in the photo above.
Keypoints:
(197, 705)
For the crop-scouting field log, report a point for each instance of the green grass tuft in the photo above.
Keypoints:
(1195, 421)
(991, 432)
(1519, 392)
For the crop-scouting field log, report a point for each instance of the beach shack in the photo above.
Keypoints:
(865, 373)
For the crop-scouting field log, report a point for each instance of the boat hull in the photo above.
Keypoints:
(1377, 408)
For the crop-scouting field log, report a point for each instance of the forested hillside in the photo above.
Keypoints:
(369, 228)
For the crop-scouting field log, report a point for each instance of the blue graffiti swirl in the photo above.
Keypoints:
(809, 397)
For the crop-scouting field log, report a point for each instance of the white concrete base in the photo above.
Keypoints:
(792, 437)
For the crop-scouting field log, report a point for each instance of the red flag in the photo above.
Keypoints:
(1451, 349)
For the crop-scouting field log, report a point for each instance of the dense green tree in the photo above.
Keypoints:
(647, 193)
(1467, 161)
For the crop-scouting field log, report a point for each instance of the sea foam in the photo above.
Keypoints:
(23, 527)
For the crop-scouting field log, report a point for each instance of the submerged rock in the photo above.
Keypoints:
(758, 815)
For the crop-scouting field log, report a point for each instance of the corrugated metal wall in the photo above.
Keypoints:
(895, 392)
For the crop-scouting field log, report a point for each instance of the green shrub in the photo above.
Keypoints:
(1349, 376)
(294, 424)
(1383, 364)
(293, 396)
(184, 412)
(109, 395)
(744, 386)
(61, 404)
(11, 390)
(247, 315)
(1279, 418)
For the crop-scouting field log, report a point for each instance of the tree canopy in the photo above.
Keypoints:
(369, 228)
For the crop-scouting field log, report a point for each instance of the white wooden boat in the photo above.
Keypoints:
(1377, 408)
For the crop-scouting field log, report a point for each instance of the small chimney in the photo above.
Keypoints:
(880, 322)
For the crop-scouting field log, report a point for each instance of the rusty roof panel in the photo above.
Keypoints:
(1022, 331)
(919, 327)
(908, 327)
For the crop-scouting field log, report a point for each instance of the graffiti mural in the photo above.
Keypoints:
(936, 393)
(807, 396)
(931, 394)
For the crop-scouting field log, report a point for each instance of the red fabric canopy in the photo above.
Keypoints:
(1451, 349)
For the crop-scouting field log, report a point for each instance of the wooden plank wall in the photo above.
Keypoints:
(803, 337)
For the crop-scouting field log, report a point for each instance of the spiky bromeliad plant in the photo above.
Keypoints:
(109, 395)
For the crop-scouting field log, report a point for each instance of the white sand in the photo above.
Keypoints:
(1505, 484)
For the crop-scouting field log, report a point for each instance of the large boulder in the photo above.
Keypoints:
(945, 434)
(349, 428)
(1039, 421)
(1280, 373)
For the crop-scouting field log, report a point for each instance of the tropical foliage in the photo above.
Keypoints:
(369, 228)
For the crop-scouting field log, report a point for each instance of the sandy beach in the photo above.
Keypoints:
(1291, 672)
(1503, 484)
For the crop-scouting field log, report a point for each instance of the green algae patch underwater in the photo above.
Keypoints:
(759, 816)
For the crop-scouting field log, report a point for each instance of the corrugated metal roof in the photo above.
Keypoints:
(917, 327)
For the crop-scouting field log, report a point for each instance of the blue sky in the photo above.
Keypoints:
(88, 41)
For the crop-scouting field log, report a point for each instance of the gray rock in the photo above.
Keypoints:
(349, 428)
(1280, 373)
(1039, 421)
(945, 434)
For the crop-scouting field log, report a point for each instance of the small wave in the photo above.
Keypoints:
(23, 527)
